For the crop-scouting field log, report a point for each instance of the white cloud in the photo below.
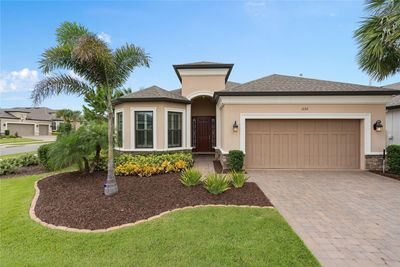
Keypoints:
(74, 75)
(105, 37)
(22, 80)
(255, 8)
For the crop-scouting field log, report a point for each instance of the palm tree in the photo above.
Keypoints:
(76, 117)
(65, 114)
(99, 68)
(379, 39)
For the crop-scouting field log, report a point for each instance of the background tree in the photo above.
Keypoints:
(96, 109)
(100, 69)
(65, 114)
(379, 39)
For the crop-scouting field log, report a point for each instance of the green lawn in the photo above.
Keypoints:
(211, 236)
(20, 141)
(17, 155)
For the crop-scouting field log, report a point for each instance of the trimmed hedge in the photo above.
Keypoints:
(151, 164)
(236, 160)
(43, 153)
(393, 158)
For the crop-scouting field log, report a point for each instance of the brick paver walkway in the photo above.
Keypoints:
(346, 218)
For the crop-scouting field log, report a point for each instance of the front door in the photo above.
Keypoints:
(203, 134)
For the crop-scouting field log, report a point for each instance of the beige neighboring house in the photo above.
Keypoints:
(278, 121)
(393, 117)
(28, 121)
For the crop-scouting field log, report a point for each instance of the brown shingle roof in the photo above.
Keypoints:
(395, 102)
(153, 93)
(289, 85)
(33, 113)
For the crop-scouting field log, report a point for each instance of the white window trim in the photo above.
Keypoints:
(133, 144)
(123, 126)
(200, 93)
(362, 116)
(183, 137)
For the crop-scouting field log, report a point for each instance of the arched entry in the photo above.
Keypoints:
(203, 124)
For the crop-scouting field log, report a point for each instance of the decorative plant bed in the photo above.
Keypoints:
(76, 199)
(388, 174)
(27, 170)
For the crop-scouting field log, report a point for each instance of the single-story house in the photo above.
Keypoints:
(278, 121)
(393, 117)
(28, 121)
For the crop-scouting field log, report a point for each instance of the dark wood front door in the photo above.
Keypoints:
(203, 134)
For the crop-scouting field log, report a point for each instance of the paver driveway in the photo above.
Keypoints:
(346, 218)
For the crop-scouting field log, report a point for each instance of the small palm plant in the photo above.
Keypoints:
(238, 179)
(216, 183)
(191, 177)
(99, 68)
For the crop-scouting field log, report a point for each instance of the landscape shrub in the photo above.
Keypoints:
(216, 183)
(238, 179)
(393, 158)
(11, 165)
(191, 177)
(8, 166)
(43, 154)
(82, 147)
(7, 132)
(236, 159)
(151, 164)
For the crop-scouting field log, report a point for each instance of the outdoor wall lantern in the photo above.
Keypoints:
(235, 127)
(378, 126)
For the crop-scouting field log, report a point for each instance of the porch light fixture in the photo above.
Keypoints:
(235, 127)
(378, 126)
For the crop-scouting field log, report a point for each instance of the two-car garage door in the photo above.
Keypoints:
(21, 129)
(302, 144)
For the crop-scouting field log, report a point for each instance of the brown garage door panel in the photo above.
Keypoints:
(302, 144)
(21, 129)
(43, 129)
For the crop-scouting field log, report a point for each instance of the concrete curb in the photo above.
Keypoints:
(76, 230)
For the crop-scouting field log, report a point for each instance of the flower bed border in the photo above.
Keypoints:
(33, 216)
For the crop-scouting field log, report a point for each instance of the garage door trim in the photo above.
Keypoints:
(366, 117)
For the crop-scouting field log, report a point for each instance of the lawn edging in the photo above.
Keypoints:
(33, 216)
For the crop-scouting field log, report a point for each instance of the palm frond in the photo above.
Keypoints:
(68, 33)
(126, 59)
(379, 46)
(58, 84)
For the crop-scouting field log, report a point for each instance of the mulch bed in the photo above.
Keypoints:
(76, 199)
(28, 170)
(388, 174)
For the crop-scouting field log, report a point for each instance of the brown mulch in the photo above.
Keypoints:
(76, 199)
(388, 174)
(24, 171)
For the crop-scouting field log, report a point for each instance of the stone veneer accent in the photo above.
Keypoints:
(223, 158)
(373, 162)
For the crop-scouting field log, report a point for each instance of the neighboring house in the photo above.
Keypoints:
(278, 121)
(28, 121)
(393, 117)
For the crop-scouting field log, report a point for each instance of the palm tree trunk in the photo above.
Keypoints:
(110, 188)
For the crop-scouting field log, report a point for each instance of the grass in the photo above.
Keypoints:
(20, 141)
(212, 236)
(17, 155)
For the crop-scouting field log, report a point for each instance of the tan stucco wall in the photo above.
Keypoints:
(210, 83)
(18, 121)
(128, 121)
(230, 113)
(203, 106)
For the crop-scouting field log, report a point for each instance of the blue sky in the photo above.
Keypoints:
(260, 37)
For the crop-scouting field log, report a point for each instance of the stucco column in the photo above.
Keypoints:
(188, 142)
